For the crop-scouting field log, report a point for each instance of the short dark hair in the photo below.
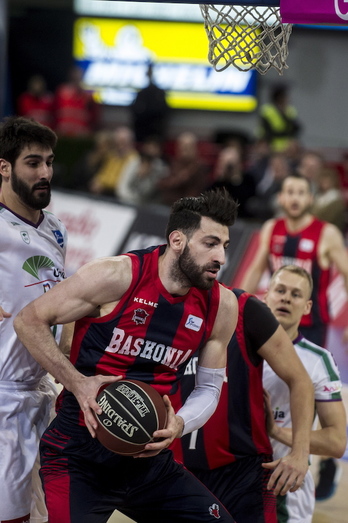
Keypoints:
(187, 212)
(298, 176)
(17, 132)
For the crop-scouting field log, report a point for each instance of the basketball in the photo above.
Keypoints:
(131, 412)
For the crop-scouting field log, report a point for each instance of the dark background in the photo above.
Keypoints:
(39, 42)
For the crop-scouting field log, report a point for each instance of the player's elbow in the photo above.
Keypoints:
(340, 447)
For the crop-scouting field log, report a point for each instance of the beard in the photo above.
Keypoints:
(27, 194)
(189, 274)
(298, 212)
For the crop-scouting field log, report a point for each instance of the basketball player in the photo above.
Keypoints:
(301, 239)
(32, 254)
(140, 315)
(227, 453)
(288, 297)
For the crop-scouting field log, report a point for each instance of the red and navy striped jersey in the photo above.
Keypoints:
(301, 248)
(237, 428)
(149, 336)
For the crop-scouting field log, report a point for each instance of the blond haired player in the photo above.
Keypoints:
(288, 297)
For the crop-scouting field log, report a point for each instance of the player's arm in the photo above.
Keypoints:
(328, 440)
(280, 354)
(66, 338)
(257, 267)
(98, 282)
(203, 400)
(335, 250)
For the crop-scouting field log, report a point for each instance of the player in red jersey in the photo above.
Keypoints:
(301, 239)
(140, 316)
(227, 453)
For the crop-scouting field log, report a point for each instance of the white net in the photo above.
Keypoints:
(246, 37)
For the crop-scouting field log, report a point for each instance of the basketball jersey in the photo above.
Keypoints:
(148, 336)
(237, 428)
(325, 377)
(301, 248)
(31, 261)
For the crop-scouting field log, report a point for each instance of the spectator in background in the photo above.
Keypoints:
(76, 112)
(121, 155)
(37, 102)
(188, 173)
(140, 185)
(310, 165)
(93, 160)
(150, 111)
(230, 173)
(329, 204)
(264, 204)
(278, 123)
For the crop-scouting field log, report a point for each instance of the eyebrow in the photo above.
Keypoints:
(216, 238)
(38, 156)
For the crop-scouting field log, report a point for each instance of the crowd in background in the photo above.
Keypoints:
(138, 164)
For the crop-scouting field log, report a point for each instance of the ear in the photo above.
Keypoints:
(177, 241)
(5, 168)
(308, 307)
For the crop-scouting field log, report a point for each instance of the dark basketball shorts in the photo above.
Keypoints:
(83, 481)
(241, 487)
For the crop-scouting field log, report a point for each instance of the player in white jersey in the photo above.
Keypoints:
(288, 297)
(32, 256)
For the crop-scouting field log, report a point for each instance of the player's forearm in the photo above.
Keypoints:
(323, 442)
(302, 412)
(39, 341)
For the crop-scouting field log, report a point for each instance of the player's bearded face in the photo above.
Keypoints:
(32, 196)
(194, 274)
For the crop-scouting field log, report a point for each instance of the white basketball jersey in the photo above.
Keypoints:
(325, 377)
(31, 262)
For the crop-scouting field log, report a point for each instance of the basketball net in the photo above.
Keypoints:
(246, 37)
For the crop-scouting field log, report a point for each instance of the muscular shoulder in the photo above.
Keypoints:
(110, 276)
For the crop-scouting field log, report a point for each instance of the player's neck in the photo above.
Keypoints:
(292, 332)
(12, 202)
(296, 224)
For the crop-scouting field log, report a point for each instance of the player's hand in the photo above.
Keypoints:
(4, 314)
(86, 390)
(172, 430)
(288, 475)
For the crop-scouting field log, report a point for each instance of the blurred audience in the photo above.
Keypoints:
(93, 160)
(150, 111)
(278, 121)
(76, 113)
(310, 165)
(121, 155)
(231, 174)
(37, 102)
(329, 204)
(139, 185)
(188, 173)
(264, 204)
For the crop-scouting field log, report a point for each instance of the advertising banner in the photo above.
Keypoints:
(115, 53)
(314, 11)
